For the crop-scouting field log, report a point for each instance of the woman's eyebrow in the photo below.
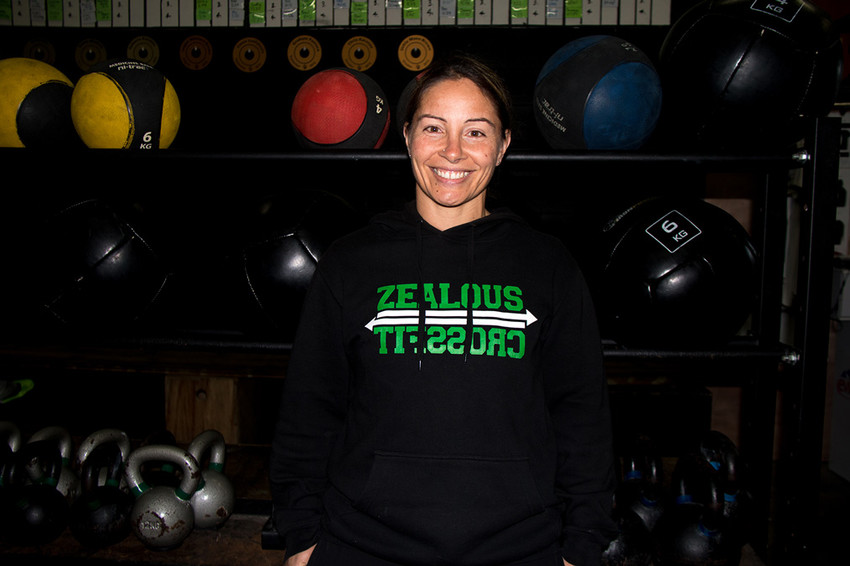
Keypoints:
(434, 117)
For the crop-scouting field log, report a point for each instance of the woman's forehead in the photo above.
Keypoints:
(453, 95)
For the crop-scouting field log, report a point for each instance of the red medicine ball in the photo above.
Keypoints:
(340, 109)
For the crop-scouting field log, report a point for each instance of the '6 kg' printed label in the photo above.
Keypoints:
(673, 230)
(784, 9)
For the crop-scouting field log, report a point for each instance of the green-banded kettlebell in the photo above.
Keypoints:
(106, 436)
(69, 481)
(100, 516)
(34, 512)
(162, 516)
(214, 499)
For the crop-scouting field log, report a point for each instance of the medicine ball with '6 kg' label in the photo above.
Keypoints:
(125, 104)
(675, 272)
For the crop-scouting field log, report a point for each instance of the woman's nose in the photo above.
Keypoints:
(453, 150)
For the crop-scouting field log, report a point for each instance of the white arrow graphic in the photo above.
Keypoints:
(453, 317)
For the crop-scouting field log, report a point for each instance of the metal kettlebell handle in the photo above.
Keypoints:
(61, 436)
(182, 458)
(12, 434)
(103, 436)
(211, 441)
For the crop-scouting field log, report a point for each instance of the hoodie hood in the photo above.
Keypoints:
(408, 223)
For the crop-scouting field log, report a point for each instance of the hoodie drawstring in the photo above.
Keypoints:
(420, 336)
(470, 261)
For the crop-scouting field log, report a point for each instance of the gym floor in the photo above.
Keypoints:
(239, 540)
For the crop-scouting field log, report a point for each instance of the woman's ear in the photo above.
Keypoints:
(506, 141)
(404, 133)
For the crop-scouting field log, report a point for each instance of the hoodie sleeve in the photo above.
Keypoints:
(577, 396)
(312, 412)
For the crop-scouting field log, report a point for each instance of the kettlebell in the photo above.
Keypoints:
(633, 544)
(722, 456)
(214, 499)
(638, 502)
(33, 512)
(693, 531)
(649, 500)
(106, 436)
(162, 516)
(69, 481)
(641, 488)
(100, 516)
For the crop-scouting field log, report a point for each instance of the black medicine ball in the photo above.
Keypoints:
(675, 272)
(741, 72)
(292, 230)
(91, 269)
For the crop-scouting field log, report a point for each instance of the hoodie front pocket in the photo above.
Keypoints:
(451, 502)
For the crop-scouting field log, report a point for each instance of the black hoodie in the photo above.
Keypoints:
(489, 446)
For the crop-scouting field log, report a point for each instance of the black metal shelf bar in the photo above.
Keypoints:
(738, 161)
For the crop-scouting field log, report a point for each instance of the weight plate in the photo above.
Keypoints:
(415, 52)
(196, 52)
(144, 49)
(359, 53)
(304, 52)
(42, 50)
(89, 52)
(249, 54)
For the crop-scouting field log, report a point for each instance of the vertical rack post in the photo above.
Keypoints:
(805, 386)
(759, 391)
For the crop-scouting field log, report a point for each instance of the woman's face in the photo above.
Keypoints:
(455, 143)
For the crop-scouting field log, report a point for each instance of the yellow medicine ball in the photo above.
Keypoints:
(35, 100)
(125, 104)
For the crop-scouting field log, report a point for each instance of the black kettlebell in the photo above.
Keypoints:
(647, 497)
(638, 503)
(633, 544)
(693, 531)
(642, 485)
(100, 516)
(724, 460)
(34, 512)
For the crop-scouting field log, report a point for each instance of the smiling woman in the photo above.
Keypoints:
(445, 400)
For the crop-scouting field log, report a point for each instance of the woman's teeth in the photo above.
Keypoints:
(450, 175)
